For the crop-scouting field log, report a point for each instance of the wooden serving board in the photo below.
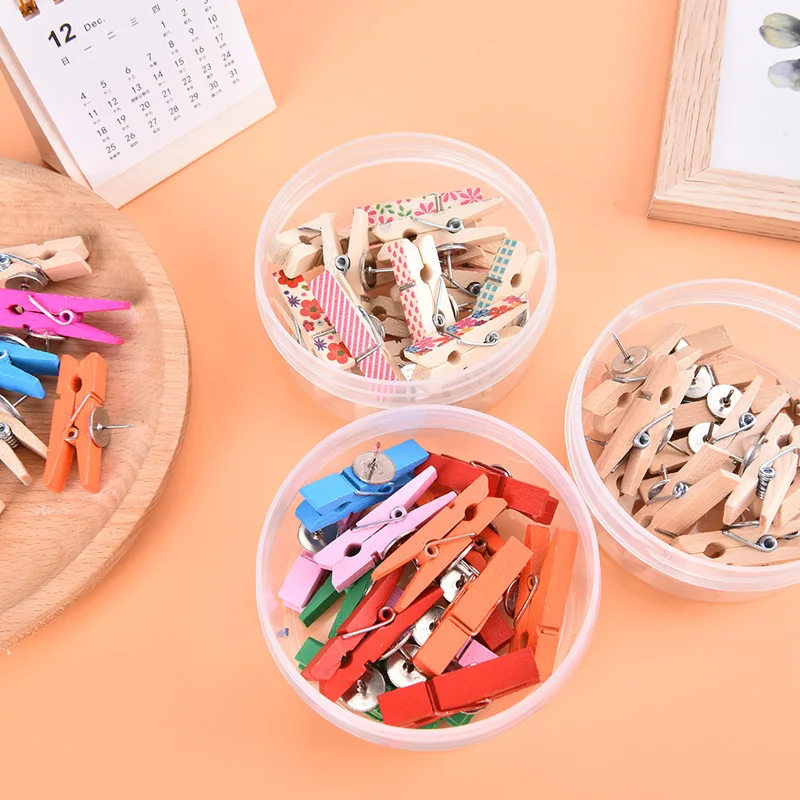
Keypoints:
(53, 548)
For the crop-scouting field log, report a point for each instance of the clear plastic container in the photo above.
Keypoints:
(461, 433)
(764, 325)
(383, 168)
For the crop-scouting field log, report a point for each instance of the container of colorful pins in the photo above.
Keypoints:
(427, 577)
(439, 297)
(683, 429)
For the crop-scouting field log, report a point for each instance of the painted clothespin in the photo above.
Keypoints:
(474, 653)
(20, 364)
(56, 315)
(32, 266)
(512, 272)
(464, 690)
(13, 433)
(385, 631)
(352, 631)
(79, 423)
(496, 632)
(532, 501)
(438, 555)
(296, 250)
(479, 329)
(331, 499)
(466, 615)
(310, 325)
(355, 327)
(415, 295)
(380, 213)
(464, 505)
(448, 220)
(541, 626)
(323, 599)
(537, 540)
(304, 579)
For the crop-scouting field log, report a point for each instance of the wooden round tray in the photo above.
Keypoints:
(53, 548)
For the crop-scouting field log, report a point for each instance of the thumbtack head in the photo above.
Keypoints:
(629, 358)
(100, 427)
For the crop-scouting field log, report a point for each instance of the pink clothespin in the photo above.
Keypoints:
(351, 567)
(392, 508)
(55, 314)
(303, 580)
(474, 653)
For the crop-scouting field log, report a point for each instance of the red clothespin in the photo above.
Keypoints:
(496, 631)
(381, 637)
(532, 501)
(468, 613)
(324, 665)
(465, 690)
(541, 630)
(81, 393)
(537, 540)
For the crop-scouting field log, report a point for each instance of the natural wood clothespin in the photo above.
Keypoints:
(58, 260)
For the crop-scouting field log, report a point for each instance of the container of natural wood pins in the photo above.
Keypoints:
(432, 173)
(746, 336)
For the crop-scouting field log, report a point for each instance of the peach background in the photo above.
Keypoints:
(159, 683)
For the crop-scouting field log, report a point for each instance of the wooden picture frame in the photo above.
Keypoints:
(687, 188)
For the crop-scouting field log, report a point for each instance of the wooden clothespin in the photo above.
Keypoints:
(790, 507)
(387, 628)
(310, 324)
(458, 361)
(324, 665)
(745, 493)
(296, 250)
(304, 579)
(512, 272)
(462, 690)
(358, 253)
(650, 402)
(467, 614)
(33, 266)
(448, 220)
(765, 416)
(333, 498)
(772, 491)
(708, 459)
(731, 369)
(14, 433)
(432, 277)
(677, 515)
(480, 329)
(415, 295)
(465, 504)
(541, 626)
(710, 341)
(76, 428)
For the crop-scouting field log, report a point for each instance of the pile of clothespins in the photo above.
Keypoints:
(700, 446)
(79, 424)
(439, 614)
(413, 289)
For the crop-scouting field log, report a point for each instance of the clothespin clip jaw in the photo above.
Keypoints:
(13, 433)
(31, 267)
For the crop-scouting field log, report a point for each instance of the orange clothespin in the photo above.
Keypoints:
(77, 425)
(467, 614)
(463, 505)
(537, 540)
(436, 556)
(542, 626)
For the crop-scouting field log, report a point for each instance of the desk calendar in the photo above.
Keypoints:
(120, 95)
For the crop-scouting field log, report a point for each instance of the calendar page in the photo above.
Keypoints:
(128, 83)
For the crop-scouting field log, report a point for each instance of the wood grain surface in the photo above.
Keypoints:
(687, 188)
(53, 548)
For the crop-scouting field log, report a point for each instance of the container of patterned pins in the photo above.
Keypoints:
(304, 615)
(682, 434)
(441, 296)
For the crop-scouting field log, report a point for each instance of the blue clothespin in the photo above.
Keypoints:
(19, 365)
(334, 497)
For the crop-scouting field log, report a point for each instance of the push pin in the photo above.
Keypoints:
(100, 427)
(629, 358)
(449, 250)
(702, 383)
(367, 269)
(374, 467)
(424, 626)
(363, 696)
(34, 279)
(314, 541)
(721, 399)
(400, 669)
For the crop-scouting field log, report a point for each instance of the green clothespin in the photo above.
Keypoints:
(324, 598)
(353, 595)
(457, 720)
(307, 651)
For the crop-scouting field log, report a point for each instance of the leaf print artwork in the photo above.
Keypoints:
(783, 31)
